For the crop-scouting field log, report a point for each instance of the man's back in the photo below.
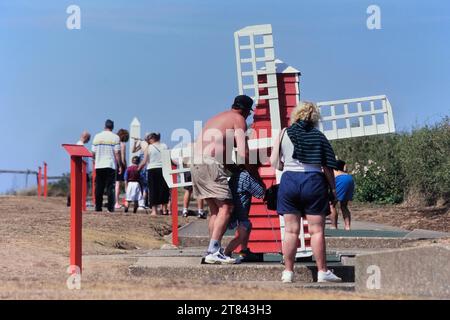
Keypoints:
(217, 131)
(104, 145)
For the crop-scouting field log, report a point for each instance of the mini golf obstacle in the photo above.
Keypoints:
(274, 86)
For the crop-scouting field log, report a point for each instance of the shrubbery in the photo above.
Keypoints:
(412, 167)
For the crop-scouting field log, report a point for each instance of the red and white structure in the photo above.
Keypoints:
(275, 87)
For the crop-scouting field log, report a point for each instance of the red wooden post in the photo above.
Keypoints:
(174, 205)
(83, 185)
(45, 180)
(75, 211)
(76, 153)
(39, 178)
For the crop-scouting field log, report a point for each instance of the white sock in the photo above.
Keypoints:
(214, 246)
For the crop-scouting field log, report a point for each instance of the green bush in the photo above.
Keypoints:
(413, 167)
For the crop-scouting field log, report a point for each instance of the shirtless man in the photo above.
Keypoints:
(212, 153)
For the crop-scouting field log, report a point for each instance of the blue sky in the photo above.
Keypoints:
(172, 62)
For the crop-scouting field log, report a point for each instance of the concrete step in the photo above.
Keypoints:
(332, 242)
(417, 271)
(191, 267)
(368, 236)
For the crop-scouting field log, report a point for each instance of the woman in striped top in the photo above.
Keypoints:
(306, 180)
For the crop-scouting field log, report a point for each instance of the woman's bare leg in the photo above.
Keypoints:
(316, 226)
(291, 232)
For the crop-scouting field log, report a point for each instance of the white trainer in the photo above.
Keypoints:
(287, 276)
(219, 257)
(327, 277)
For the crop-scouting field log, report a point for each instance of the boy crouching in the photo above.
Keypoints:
(243, 186)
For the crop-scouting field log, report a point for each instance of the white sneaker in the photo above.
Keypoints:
(219, 257)
(185, 212)
(287, 276)
(327, 277)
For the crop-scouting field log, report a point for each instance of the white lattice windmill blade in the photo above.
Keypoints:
(255, 55)
(356, 117)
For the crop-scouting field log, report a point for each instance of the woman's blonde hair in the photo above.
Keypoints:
(306, 111)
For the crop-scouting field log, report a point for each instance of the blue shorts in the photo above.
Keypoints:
(345, 186)
(233, 224)
(240, 218)
(304, 193)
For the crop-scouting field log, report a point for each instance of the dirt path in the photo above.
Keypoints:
(409, 218)
(34, 238)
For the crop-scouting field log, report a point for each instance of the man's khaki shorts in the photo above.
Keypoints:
(209, 180)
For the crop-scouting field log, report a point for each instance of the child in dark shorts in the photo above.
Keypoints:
(243, 186)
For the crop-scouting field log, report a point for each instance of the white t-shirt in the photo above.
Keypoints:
(154, 155)
(291, 164)
(104, 145)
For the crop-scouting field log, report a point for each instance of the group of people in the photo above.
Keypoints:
(312, 181)
(307, 187)
(142, 180)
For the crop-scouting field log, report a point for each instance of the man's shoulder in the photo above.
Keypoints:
(108, 136)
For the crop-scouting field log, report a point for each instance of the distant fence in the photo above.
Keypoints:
(41, 178)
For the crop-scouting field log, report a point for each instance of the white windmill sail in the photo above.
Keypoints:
(356, 117)
(255, 55)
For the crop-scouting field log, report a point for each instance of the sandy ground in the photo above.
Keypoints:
(34, 239)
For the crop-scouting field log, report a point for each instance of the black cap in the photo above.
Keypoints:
(243, 102)
(109, 124)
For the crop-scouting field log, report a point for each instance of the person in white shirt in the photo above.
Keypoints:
(106, 154)
(158, 189)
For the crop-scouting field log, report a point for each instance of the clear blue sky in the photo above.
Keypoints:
(172, 62)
